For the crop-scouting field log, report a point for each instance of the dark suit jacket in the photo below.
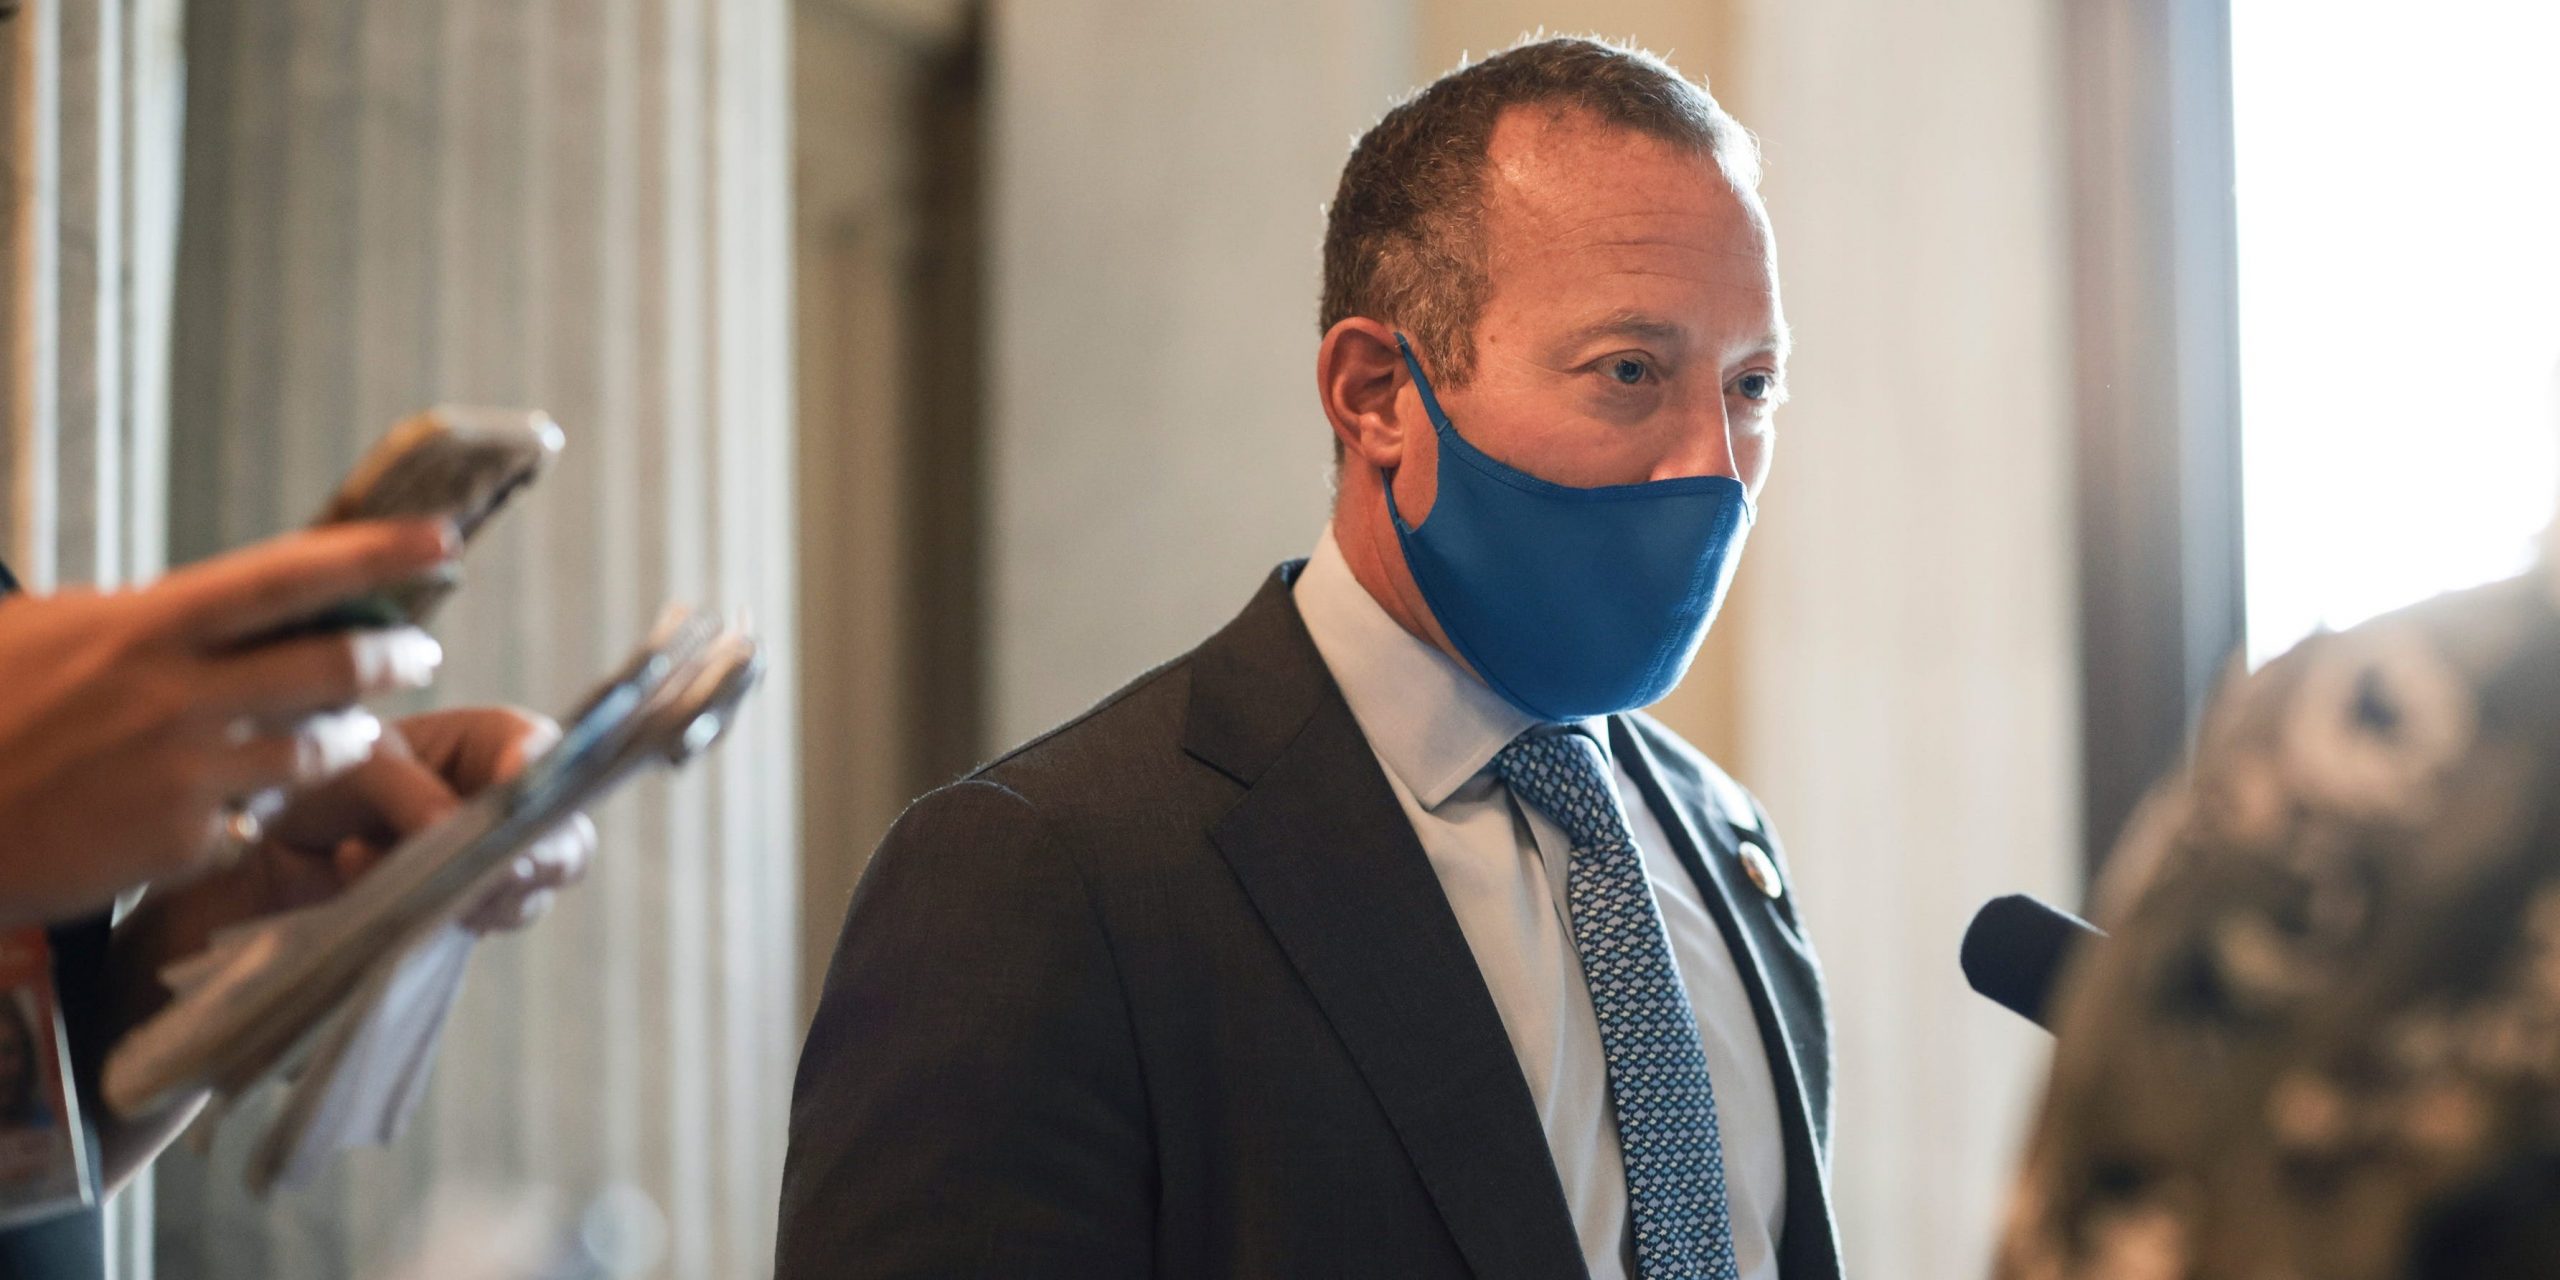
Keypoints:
(1173, 990)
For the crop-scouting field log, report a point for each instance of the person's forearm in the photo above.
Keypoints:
(166, 926)
(169, 925)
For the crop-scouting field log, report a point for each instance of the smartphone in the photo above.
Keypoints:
(457, 462)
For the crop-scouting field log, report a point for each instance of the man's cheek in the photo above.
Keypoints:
(1752, 456)
(1417, 481)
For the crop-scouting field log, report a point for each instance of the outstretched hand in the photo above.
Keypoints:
(136, 719)
(326, 838)
(424, 768)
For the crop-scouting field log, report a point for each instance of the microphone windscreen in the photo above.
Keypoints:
(2015, 949)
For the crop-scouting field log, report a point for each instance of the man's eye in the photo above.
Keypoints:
(1627, 370)
(1756, 386)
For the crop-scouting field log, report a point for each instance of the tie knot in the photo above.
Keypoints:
(1548, 750)
(1564, 776)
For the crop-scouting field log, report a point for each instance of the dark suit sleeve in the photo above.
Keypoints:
(969, 1100)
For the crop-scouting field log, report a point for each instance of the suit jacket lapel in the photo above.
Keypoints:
(1776, 967)
(1328, 859)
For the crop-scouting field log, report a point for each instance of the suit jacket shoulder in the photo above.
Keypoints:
(972, 970)
(1100, 780)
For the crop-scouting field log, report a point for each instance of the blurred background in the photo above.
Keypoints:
(969, 346)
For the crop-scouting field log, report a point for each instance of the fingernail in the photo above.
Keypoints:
(558, 847)
(448, 538)
(400, 658)
(337, 742)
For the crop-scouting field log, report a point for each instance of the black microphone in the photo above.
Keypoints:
(2015, 948)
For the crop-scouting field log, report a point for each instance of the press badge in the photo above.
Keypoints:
(44, 1152)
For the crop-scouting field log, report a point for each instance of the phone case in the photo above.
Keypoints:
(459, 462)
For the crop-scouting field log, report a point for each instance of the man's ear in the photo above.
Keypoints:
(1359, 377)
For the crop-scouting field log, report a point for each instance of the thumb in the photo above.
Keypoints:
(386, 799)
(404, 795)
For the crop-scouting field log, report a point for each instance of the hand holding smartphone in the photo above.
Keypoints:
(455, 463)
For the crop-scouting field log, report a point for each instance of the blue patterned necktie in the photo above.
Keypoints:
(1658, 1084)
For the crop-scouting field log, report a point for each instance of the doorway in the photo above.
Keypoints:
(888, 173)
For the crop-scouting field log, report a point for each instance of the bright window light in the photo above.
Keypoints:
(2399, 236)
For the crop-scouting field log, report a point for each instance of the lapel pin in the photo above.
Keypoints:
(1763, 872)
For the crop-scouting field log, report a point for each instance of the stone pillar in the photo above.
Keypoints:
(89, 90)
(580, 205)
(91, 98)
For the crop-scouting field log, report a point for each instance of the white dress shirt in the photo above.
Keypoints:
(1435, 729)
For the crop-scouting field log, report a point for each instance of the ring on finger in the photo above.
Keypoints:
(237, 830)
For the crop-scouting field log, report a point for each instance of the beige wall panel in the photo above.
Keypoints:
(1155, 446)
(1697, 36)
(853, 209)
(1908, 687)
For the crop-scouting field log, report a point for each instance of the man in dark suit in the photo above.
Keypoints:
(1381, 934)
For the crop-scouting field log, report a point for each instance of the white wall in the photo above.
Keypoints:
(1155, 447)
(1908, 646)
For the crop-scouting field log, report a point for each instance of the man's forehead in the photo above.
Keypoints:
(1544, 149)
(1604, 231)
(1570, 173)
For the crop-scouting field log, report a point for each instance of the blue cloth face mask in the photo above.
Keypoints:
(1570, 603)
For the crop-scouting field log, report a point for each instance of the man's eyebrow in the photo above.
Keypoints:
(1644, 327)
(1627, 324)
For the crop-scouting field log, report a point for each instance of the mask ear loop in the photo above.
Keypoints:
(1430, 407)
(1422, 383)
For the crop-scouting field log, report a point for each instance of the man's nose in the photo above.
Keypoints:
(1702, 446)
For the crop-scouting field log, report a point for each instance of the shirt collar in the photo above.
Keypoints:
(1431, 721)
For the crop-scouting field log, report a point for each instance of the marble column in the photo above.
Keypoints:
(91, 98)
(89, 90)
(580, 205)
